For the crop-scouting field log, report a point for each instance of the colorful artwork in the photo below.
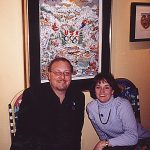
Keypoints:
(145, 20)
(71, 29)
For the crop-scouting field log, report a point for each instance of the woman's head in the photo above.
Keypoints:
(103, 87)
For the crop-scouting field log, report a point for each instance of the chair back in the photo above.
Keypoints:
(130, 92)
(13, 112)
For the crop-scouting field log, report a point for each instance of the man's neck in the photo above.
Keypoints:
(60, 94)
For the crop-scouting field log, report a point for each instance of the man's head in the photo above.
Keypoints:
(59, 74)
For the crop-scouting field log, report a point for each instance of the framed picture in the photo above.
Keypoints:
(140, 22)
(78, 30)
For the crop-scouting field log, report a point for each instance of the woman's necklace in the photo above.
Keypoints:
(101, 115)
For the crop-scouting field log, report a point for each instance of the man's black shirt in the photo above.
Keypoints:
(46, 124)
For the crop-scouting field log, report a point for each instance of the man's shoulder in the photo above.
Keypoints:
(38, 88)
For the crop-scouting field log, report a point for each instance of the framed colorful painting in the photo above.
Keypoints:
(75, 29)
(140, 22)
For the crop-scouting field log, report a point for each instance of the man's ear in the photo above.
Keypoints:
(48, 75)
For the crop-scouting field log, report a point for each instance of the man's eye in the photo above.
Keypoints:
(58, 73)
(61, 73)
(67, 73)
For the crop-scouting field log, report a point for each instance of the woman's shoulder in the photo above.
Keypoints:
(92, 104)
(122, 102)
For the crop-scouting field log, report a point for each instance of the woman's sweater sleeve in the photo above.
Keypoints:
(130, 135)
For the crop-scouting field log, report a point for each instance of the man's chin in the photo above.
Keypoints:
(63, 88)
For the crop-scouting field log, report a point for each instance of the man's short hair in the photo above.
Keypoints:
(57, 59)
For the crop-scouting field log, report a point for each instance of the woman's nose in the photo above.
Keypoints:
(102, 90)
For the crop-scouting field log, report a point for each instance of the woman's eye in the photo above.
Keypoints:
(107, 87)
(97, 87)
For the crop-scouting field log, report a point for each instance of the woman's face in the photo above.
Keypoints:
(103, 91)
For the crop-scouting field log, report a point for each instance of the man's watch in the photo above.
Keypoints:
(106, 143)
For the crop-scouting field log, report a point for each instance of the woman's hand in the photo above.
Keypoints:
(100, 145)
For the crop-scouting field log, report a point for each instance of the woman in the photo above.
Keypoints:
(112, 116)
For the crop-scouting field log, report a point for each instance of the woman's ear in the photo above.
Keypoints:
(112, 92)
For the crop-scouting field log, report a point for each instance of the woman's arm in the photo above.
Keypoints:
(130, 135)
(99, 132)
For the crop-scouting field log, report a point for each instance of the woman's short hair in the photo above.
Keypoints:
(109, 78)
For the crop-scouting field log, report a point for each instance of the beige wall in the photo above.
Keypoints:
(130, 60)
(11, 62)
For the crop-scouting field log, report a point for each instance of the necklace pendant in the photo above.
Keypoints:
(101, 115)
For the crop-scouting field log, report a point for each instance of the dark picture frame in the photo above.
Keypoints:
(34, 44)
(140, 22)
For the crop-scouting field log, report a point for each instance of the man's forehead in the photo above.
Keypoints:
(60, 64)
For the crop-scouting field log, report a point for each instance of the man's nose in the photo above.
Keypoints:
(63, 75)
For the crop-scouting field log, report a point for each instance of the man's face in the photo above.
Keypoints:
(60, 76)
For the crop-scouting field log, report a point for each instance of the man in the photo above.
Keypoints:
(51, 115)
